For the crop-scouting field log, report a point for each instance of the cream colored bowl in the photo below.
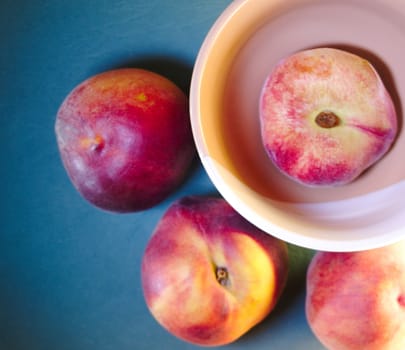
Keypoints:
(246, 41)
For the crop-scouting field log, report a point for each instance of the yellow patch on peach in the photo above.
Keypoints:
(320, 68)
(256, 281)
(141, 97)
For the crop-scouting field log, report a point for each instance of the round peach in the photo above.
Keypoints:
(125, 138)
(208, 275)
(356, 300)
(325, 116)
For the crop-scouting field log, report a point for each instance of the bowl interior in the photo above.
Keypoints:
(247, 40)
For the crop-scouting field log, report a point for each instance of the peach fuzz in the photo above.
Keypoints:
(208, 276)
(325, 116)
(357, 300)
(125, 138)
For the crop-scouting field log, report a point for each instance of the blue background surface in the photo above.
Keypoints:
(70, 273)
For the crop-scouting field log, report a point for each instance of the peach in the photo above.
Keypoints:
(125, 138)
(208, 275)
(356, 300)
(325, 116)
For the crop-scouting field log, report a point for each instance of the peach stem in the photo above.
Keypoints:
(93, 143)
(327, 119)
(222, 275)
(97, 143)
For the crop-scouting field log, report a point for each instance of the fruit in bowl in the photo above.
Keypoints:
(325, 116)
(208, 275)
(125, 138)
(356, 300)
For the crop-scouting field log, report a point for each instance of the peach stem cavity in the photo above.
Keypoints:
(327, 119)
(97, 144)
(222, 276)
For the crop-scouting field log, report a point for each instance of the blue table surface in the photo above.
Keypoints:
(70, 273)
